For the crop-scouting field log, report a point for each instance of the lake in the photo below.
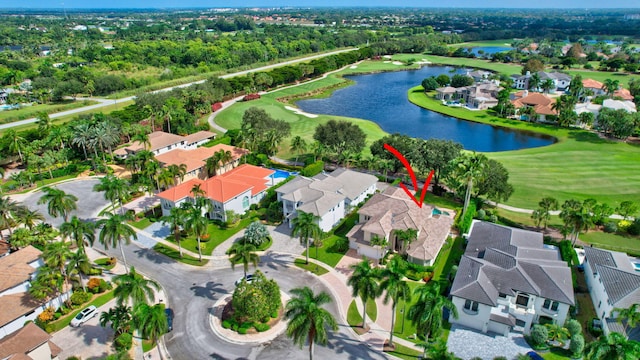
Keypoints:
(382, 98)
(488, 50)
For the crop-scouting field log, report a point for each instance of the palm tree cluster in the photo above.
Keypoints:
(221, 159)
(426, 313)
(99, 135)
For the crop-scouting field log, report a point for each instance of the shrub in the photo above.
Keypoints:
(623, 225)
(493, 218)
(242, 331)
(313, 169)
(123, 341)
(262, 327)
(500, 358)
(56, 315)
(464, 223)
(104, 286)
(46, 315)
(94, 285)
(73, 358)
(80, 297)
(539, 335)
(610, 227)
(634, 229)
(577, 345)
(574, 327)
(274, 314)
(567, 253)
(481, 214)
(226, 324)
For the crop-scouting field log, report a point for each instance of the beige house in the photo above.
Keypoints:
(393, 210)
(481, 95)
(161, 142)
(196, 159)
(29, 343)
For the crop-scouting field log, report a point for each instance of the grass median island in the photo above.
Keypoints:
(175, 255)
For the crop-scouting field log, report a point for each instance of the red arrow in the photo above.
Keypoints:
(406, 164)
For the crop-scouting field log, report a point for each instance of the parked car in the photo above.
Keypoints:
(534, 355)
(169, 313)
(84, 316)
(249, 279)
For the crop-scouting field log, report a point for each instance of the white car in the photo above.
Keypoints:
(249, 279)
(84, 316)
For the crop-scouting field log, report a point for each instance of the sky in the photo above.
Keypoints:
(112, 4)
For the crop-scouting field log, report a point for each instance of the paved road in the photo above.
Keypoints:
(89, 203)
(107, 102)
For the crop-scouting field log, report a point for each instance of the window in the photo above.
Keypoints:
(550, 305)
(471, 306)
(502, 295)
(599, 303)
(245, 202)
(522, 300)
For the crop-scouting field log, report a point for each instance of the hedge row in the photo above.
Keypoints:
(313, 169)
(464, 223)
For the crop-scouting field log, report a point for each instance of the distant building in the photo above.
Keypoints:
(541, 104)
(560, 81)
(161, 142)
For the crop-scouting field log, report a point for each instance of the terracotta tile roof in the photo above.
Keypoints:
(15, 268)
(592, 84)
(623, 93)
(540, 102)
(20, 304)
(23, 341)
(199, 136)
(225, 187)
(236, 152)
(194, 159)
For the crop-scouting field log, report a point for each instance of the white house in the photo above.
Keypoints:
(234, 190)
(509, 280)
(613, 279)
(29, 343)
(328, 196)
(16, 305)
(560, 81)
(162, 142)
(392, 210)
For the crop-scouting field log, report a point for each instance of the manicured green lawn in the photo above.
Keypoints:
(175, 255)
(27, 112)
(10, 183)
(141, 224)
(217, 236)
(447, 258)
(354, 316)
(104, 262)
(404, 352)
(402, 308)
(327, 252)
(625, 243)
(312, 267)
(501, 43)
(556, 353)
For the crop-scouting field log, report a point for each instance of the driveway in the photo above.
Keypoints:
(466, 343)
(89, 203)
(89, 341)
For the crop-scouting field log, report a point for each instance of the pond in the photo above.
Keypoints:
(487, 50)
(382, 98)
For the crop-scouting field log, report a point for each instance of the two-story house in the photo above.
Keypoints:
(16, 305)
(195, 159)
(161, 142)
(234, 190)
(560, 81)
(509, 280)
(328, 196)
(392, 210)
(613, 280)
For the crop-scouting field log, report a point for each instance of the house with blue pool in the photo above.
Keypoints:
(386, 213)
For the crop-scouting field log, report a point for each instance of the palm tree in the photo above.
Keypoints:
(58, 202)
(298, 145)
(16, 143)
(305, 225)
(545, 206)
(178, 171)
(548, 85)
(175, 220)
(44, 122)
(115, 189)
(79, 264)
(166, 114)
(308, 321)
(612, 347)
(55, 255)
(631, 315)
(82, 135)
(364, 283)
(212, 165)
(29, 217)
(469, 167)
(152, 115)
(150, 321)
(21, 238)
(120, 318)
(115, 229)
(8, 209)
(426, 313)
(79, 231)
(49, 283)
(225, 158)
(534, 81)
(143, 139)
(406, 237)
(165, 179)
(395, 288)
(134, 288)
(197, 224)
(244, 253)
(610, 86)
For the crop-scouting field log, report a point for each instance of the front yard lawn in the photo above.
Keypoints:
(404, 352)
(327, 252)
(175, 255)
(217, 235)
(64, 321)
(312, 267)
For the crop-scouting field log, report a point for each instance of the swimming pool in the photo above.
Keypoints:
(282, 174)
(437, 211)
(636, 266)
